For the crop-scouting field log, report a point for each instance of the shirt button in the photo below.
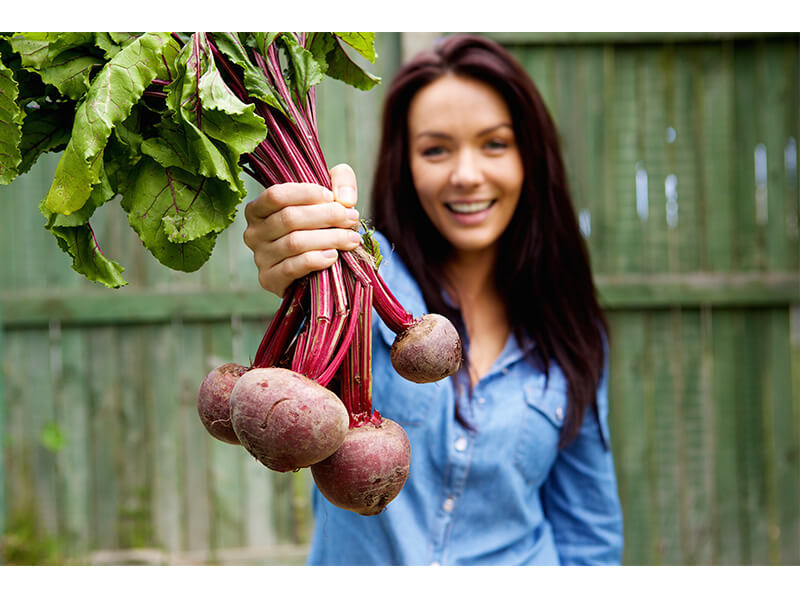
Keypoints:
(559, 413)
(461, 444)
(435, 563)
(448, 504)
(481, 400)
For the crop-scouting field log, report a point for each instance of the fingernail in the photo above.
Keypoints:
(352, 214)
(355, 237)
(329, 253)
(346, 195)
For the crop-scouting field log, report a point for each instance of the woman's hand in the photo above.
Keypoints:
(296, 228)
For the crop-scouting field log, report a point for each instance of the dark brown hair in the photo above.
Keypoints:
(543, 270)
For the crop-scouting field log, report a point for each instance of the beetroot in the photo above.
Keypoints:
(368, 470)
(424, 350)
(213, 401)
(428, 350)
(286, 420)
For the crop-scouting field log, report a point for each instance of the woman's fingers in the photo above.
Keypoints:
(310, 217)
(276, 197)
(299, 253)
(300, 241)
(276, 278)
(296, 228)
(343, 181)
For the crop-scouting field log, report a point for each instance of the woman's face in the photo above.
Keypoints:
(464, 160)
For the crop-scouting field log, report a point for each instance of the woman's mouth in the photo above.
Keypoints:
(469, 208)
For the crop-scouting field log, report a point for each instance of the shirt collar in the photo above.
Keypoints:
(408, 293)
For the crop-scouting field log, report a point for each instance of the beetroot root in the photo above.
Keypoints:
(427, 351)
(213, 401)
(286, 420)
(368, 470)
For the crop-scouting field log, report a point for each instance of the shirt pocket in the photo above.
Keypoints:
(540, 429)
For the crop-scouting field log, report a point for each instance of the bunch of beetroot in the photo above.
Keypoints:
(306, 400)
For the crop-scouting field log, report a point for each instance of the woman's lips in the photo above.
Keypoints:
(470, 212)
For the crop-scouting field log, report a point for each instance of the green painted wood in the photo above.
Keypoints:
(727, 497)
(717, 154)
(195, 486)
(593, 177)
(790, 533)
(700, 404)
(558, 38)
(40, 420)
(629, 435)
(610, 206)
(769, 448)
(104, 391)
(784, 449)
(691, 366)
(37, 309)
(626, 223)
(74, 458)
(135, 443)
(691, 289)
(226, 477)
(163, 363)
(752, 444)
(134, 306)
(681, 376)
(684, 210)
(744, 135)
(3, 441)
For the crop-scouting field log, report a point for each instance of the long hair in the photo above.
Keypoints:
(543, 271)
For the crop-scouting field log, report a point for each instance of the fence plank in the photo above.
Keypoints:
(781, 460)
(226, 475)
(105, 432)
(163, 363)
(76, 456)
(2, 439)
(717, 152)
(629, 436)
(749, 206)
(195, 488)
(135, 444)
(726, 527)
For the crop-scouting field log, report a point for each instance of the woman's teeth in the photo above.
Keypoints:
(466, 208)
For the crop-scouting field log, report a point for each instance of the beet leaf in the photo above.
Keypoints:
(166, 123)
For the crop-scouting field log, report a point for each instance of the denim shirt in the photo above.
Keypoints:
(501, 494)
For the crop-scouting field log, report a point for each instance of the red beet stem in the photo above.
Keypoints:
(282, 327)
(346, 340)
(357, 365)
(389, 309)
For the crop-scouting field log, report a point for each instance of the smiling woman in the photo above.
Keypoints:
(510, 462)
(465, 161)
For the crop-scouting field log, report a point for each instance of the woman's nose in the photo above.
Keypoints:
(466, 171)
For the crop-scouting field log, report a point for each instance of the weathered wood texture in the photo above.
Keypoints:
(682, 156)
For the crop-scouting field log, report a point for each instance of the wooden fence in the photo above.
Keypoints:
(682, 155)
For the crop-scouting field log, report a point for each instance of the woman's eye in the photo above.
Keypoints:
(433, 151)
(496, 145)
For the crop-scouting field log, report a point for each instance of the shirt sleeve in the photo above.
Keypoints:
(580, 497)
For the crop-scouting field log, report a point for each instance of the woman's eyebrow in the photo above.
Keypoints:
(446, 136)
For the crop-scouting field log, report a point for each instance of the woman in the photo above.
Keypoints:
(510, 459)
